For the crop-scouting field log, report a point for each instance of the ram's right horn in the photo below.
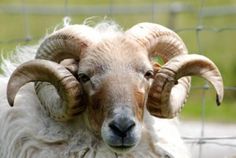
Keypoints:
(60, 96)
(57, 75)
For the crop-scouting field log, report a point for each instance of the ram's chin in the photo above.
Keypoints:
(120, 149)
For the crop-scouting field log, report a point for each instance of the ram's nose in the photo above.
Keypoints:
(122, 126)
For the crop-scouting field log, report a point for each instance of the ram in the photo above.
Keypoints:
(98, 93)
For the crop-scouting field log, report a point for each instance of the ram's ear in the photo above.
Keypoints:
(71, 65)
(156, 67)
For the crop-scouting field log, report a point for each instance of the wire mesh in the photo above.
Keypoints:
(111, 9)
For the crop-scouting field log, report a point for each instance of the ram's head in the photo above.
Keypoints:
(111, 78)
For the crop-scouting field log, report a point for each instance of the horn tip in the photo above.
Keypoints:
(11, 93)
(218, 99)
(11, 102)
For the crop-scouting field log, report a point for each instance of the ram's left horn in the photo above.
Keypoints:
(163, 42)
(164, 92)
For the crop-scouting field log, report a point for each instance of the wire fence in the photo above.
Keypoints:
(111, 9)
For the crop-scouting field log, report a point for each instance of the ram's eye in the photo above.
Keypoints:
(83, 78)
(149, 74)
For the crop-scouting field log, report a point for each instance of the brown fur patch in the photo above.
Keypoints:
(96, 111)
(139, 107)
(153, 101)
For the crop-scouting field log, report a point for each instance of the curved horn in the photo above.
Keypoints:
(160, 41)
(67, 42)
(164, 91)
(56, 74)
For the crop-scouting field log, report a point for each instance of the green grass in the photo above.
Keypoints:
(218, 46)
(199, 103)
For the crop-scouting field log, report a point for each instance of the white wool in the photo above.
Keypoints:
(21, 54)
(27, 132)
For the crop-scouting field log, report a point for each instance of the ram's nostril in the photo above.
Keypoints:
(121, 127)
(116, 130)
(131, 126)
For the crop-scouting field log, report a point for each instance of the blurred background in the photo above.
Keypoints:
(207, 27)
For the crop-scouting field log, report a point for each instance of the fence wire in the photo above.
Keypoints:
(153, 8)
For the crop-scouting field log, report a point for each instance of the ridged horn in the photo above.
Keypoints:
(56, 74)
(65, 43)
(161, 41)
(68, 42)
(164, 91)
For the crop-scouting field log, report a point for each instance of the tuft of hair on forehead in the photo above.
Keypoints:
(108, 26)
(108, 29)
(100, 28)
(104, 25)
(104, 28)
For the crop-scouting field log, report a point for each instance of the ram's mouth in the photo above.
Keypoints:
(121, 148)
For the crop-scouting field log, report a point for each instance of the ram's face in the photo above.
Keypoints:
(116, 77)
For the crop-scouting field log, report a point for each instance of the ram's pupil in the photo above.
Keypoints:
(149, 74)
(83, 78)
